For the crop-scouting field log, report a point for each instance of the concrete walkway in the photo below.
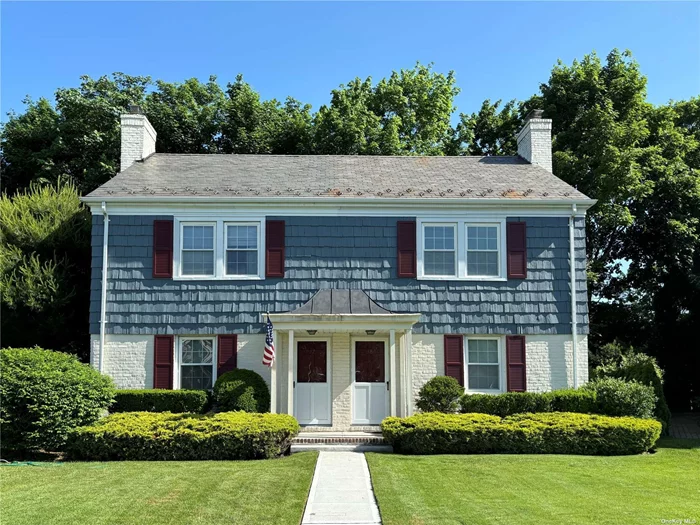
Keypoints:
(341, 491)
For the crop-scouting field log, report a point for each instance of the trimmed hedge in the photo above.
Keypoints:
(546, 433)
(148, 436)
(440, 394)
(565, 400)
(242, 389)
(156, 400)
(45, 394)
(643, 369)
(617, 397)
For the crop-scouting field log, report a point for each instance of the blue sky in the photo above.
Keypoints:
(497, 50)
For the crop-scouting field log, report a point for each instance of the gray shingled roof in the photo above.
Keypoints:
(340, 302)
(336, 176)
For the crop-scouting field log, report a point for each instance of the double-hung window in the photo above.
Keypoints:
(465, 249)
(439, 254)
(198, 249)
(219, 249)
(196, 363)
(484, 364)
(242, 249)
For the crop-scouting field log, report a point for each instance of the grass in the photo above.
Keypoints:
(158, 493)
(532, 489)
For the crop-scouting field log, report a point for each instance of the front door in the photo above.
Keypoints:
(370, 395)
(312, 395)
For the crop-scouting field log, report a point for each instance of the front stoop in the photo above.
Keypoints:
(340, 441)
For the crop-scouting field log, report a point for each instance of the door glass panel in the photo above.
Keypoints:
(369, 362)
(311, 362)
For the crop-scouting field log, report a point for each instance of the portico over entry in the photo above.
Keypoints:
(342, 361)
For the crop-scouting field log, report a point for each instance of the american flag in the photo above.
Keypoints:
(269, 353)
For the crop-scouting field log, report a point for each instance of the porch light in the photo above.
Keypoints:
(311, 332)
(370, 332)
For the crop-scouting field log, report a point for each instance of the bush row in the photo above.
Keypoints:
(568, 400)
(165, 436)
(194, 401)
(545, 433)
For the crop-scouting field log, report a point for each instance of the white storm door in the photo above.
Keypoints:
(312, 398)
(370, 389)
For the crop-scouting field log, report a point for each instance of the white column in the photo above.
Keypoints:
(273, 376)
(392, 368)
(290, 374)
(402, 374)
(409, 370)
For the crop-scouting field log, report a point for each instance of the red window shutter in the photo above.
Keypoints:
(516, 239)
(163, 249)
(454, 357)
(406, 248)
(515, 362)
(226, 354)
(274, 249)
(163, 357)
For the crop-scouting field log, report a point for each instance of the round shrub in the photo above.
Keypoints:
(242, 389)
(440, 394)
(617, 397)
(44, 395)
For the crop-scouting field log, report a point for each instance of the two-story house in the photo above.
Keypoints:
(378, 273)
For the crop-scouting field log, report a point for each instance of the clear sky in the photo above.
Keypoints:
(497, 50)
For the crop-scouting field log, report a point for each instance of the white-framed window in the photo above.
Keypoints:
(482, 250)
(439, 249)
(242, 246)
(198, 256)
(196, 363)
(484, 364)
(219, 249)
(466, 249)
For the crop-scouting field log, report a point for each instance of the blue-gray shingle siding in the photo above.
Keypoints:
(337, 252)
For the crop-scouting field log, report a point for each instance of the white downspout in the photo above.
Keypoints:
(572, 266)
(103, 298)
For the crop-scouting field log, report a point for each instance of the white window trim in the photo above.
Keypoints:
(501, 364)
(178, 357)
(455, 249)
(181, 230)
(219, 248)
(461, 248)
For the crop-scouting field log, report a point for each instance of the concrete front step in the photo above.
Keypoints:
(340, 441)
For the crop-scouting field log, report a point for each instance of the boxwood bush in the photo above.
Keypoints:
(242, 389)
(44, 395)
(440, 394)
(545, 433)
(165, 436)
(565, 400)
(156, 400)
(617, 397)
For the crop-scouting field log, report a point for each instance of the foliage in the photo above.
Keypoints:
(439, 394)
(509, 403)
(546, 433)
(242, 389)
(194, 401)
(46, 394)
(44, 267)
(617, 397)
(148, 436)
(643, 369)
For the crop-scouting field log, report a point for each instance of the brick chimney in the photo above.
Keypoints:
(535, 140)
(138, 137)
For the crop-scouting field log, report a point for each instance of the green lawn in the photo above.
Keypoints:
(157, 493)
(523, 490)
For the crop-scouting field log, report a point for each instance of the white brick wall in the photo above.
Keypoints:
(549, 361)
(138, 139)
(128, 359)
(535, 142)
(341, 381)
(428, 359)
